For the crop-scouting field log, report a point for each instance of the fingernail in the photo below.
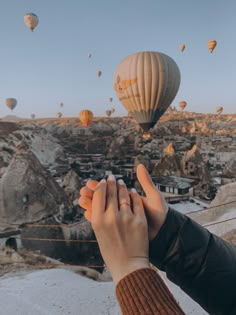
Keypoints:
(121, 182)
(111, 178)
(133, 190)
(103, 181)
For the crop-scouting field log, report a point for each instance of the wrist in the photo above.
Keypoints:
(132, 265)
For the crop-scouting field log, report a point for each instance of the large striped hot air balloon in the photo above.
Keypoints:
(11, 103)
(31, 20)
(146, 83)
(86, 116)
(211, 44)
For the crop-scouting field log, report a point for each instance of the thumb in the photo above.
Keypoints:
(145, 180)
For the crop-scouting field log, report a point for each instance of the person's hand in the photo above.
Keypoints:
(120, 226)
(154, 204)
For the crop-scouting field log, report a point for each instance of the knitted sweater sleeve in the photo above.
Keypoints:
(143, 292)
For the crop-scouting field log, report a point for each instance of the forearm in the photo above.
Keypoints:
(202, 264)
(143, 292)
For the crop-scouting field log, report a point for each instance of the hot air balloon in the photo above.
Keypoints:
(61, 105)
(31, 20)
(108, 113)
(99, 73)
(86, 116)
(211, 44)
(32, 116)
(219, 109)
(59, 115)
(113, 110)
(89, 56)
(182, 104)
(11, 103)
(146, 84)
(110, 99)
(182, 47)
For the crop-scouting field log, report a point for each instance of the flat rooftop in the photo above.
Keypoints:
(174, 181)
(187, 206)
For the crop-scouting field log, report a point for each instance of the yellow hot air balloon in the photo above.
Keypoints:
(31, 20)
(59, 115)
(182, 47)
(211, 44)
(99, 73)
(86, 116)
(219, 109)
(11, 103)
(113, 110)
(182, 104)
(146, 83)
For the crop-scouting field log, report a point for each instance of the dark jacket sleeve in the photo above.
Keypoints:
(202, 264)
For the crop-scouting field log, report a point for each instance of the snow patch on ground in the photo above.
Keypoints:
(62, 292)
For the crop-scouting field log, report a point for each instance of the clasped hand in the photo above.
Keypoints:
(124, 222)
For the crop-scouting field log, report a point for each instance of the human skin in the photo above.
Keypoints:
(154, 205)
(120, 226)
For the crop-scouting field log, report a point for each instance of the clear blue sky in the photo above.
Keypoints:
(50, 65)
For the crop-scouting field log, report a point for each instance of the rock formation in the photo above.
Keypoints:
(28, 193)
(168, 165)
(169, 150)
(230, 169)
(72, 185)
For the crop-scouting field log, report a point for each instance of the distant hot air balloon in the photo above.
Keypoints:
(113, 110)
(89, 56)
(182, 104)
(110, 99)
(219, 109)
(11, 103)
(59, 115)
(108, 113)
(211, 44)
(31, 20)
(86, 116)
(99, 73)
(61, 105)
(182, 47)
(32, 116)
(146, 83)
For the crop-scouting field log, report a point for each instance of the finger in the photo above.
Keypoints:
(99, 200)
(136, 202)
(112, 203)
(145, 180)
(86, 192)
(85, 203)
(91, 184)
(123, 196)
(88, 215)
